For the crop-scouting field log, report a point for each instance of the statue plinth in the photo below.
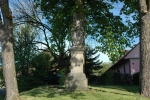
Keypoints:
(76, 79)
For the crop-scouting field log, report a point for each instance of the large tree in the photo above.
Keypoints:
(139, 9)
(8, 64)
(48, 36)
(144, 10)
(102, 25)
(23, 48)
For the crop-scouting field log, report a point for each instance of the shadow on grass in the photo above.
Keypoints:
(128, 88)
(57, 91)
(52, 92)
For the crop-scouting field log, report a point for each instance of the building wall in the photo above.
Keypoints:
(135, 65)
(131, 62)
(121, 68)
(131, 67)
(135, 53)
(127, 67)
(124, 68)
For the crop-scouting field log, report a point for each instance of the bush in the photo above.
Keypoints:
(115, 78)
(136, 78)
(109, 78)
(118, 77)
(28, 82)
(122, 79)
(63, 76)
(93, 79)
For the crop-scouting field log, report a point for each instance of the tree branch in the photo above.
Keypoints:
(3, 2)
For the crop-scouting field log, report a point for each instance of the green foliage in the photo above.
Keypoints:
(49, 34)
(41, 65)
(105, 66)
(24, 55)
(28, 82)
(115, 78)
(23, 49)
(2, 82)
(92, 62)
(108, 29)
(59, 19)
(62, 72)
(93, 93)
(109, 78)
(62, 61)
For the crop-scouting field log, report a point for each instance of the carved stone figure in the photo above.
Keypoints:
(77, 31)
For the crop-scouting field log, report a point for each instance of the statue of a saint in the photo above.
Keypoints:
(77, 32)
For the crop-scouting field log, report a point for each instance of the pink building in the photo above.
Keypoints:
(129, 63)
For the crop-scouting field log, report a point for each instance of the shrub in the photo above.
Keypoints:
(127, 79)
(63, 76)
(28, 82)
(136, 78)
(122, 79)
(109, 78)
(93, 79)
(118, 77)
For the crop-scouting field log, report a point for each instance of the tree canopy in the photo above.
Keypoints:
(102, 25)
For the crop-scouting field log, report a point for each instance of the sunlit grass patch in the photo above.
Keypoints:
(93, 93)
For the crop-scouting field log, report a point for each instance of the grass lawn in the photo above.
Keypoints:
(93, 93)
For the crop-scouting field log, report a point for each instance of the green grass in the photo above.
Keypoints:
(93, 93)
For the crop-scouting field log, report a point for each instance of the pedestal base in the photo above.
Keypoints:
(76, 81)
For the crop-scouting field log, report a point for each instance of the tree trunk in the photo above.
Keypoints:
(145, 47)
(6, 30)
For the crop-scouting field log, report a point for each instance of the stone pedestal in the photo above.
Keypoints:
(76, 79)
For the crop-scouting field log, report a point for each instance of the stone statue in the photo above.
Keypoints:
(77, 32)
(76, 79)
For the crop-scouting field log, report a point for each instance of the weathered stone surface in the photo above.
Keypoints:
(76, 81)
(77, 60)
(78, 31)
